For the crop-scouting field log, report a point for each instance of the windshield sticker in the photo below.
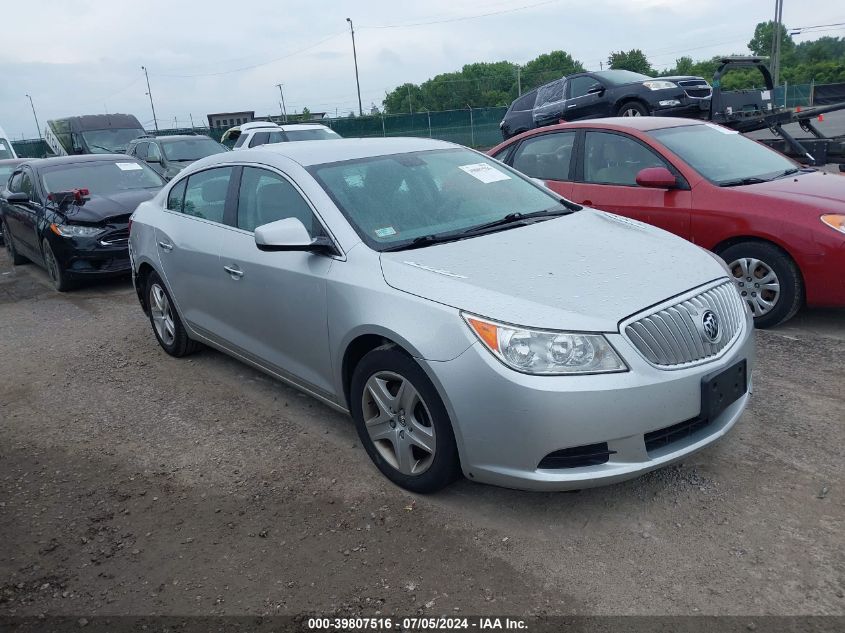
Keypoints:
(128, 166)
(484, 172)
(385, 232)
(721, 129)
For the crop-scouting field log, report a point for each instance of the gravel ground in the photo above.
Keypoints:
(135, 483)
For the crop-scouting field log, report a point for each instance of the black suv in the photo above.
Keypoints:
(607, 93)
(168, 155)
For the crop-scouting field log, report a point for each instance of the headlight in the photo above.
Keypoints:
(659, 85)
(835, 221)
(75, 230)
(545, 352)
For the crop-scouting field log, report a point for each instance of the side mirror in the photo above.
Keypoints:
(153, 159)
(595, 89)
(657, 178)
(289, 234)
(18, 197)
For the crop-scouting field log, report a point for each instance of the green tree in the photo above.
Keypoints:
(761, 43)
(548, 67)
(633, 60)
(306, 114)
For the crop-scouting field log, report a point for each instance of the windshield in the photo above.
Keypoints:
(391, 200)
(316, 134)
(5, 149)
(722, 155)
(191, 148)
(111, 141)
(620, 77)
(101, 177)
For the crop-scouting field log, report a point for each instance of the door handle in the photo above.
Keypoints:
(237, 273)
(165, 246)
(571, 106)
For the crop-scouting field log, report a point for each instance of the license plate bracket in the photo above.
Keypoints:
(720, 390)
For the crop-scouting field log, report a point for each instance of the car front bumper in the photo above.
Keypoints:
(688, 109)
(100, 256)
(506, 422)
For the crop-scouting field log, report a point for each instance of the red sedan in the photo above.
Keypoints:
(779, 226)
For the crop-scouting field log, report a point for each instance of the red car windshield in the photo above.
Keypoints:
(723, 156)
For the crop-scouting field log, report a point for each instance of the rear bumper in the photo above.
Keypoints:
(507, 424)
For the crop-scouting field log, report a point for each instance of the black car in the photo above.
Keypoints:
(168, 155)
(608, 93)
(7, 166)
(71, 214)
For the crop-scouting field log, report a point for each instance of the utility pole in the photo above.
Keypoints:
(282, 95)
(37, 126)
(191, 117)
(150, 95)
(519, 81)
(355, 57)
(776, 41)
(410, 107)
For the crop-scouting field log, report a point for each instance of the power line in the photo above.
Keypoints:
(250, 67)
(460, 18)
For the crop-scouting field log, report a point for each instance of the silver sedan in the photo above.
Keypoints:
(470, 320)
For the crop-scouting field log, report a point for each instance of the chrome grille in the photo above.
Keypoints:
(670, 337)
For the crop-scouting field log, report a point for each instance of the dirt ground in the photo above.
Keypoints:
(135, 483)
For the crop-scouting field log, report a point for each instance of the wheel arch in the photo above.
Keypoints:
(144, 272)
(631, 99)
(355, 350)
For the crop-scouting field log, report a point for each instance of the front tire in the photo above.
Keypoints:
(402, 421)
(167, 325)
(11, 251)
(632, 108)
(58, 274)
(767, 279)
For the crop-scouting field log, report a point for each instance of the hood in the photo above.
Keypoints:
(819, 191)
(682, 78)
(99, 207)
(586, 271)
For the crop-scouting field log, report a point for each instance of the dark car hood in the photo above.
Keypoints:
(99, 208)
(681, 78)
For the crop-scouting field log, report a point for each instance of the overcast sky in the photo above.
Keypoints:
(85, 56)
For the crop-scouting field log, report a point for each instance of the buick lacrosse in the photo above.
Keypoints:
(470, 320)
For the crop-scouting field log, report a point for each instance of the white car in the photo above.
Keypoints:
(264, 132)
(6, 149)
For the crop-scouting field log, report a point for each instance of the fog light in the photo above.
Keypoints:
(669, 103)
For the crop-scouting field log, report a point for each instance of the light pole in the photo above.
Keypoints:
(282, 95)
(776, 41)
(37, 126)
(150, 95)
(355, 57)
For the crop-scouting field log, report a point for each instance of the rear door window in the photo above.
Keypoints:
(547, 157)
(550, 93)
(205, 194)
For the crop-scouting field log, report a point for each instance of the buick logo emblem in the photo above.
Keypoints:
(709, 327)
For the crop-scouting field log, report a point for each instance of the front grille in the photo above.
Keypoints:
(687, 83)
(698, 93)
(577, 456)
(116, 238)
(671, 434)
(673, 337)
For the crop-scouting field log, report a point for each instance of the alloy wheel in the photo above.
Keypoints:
(757, 283)
(631, 112)
(162, 315)
(398, 422)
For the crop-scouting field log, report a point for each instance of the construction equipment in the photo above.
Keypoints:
(752, 110)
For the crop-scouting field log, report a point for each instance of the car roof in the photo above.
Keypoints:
(308, 153)
(40, 163)
(256, 125)
(621, 124)
(304, 126)
(14, 161)
(181, 137)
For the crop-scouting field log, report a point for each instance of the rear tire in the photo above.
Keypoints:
(11, 251)
(167, 325)
(632, 108)
(58, 274)
(768, 280)
(402, 421)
